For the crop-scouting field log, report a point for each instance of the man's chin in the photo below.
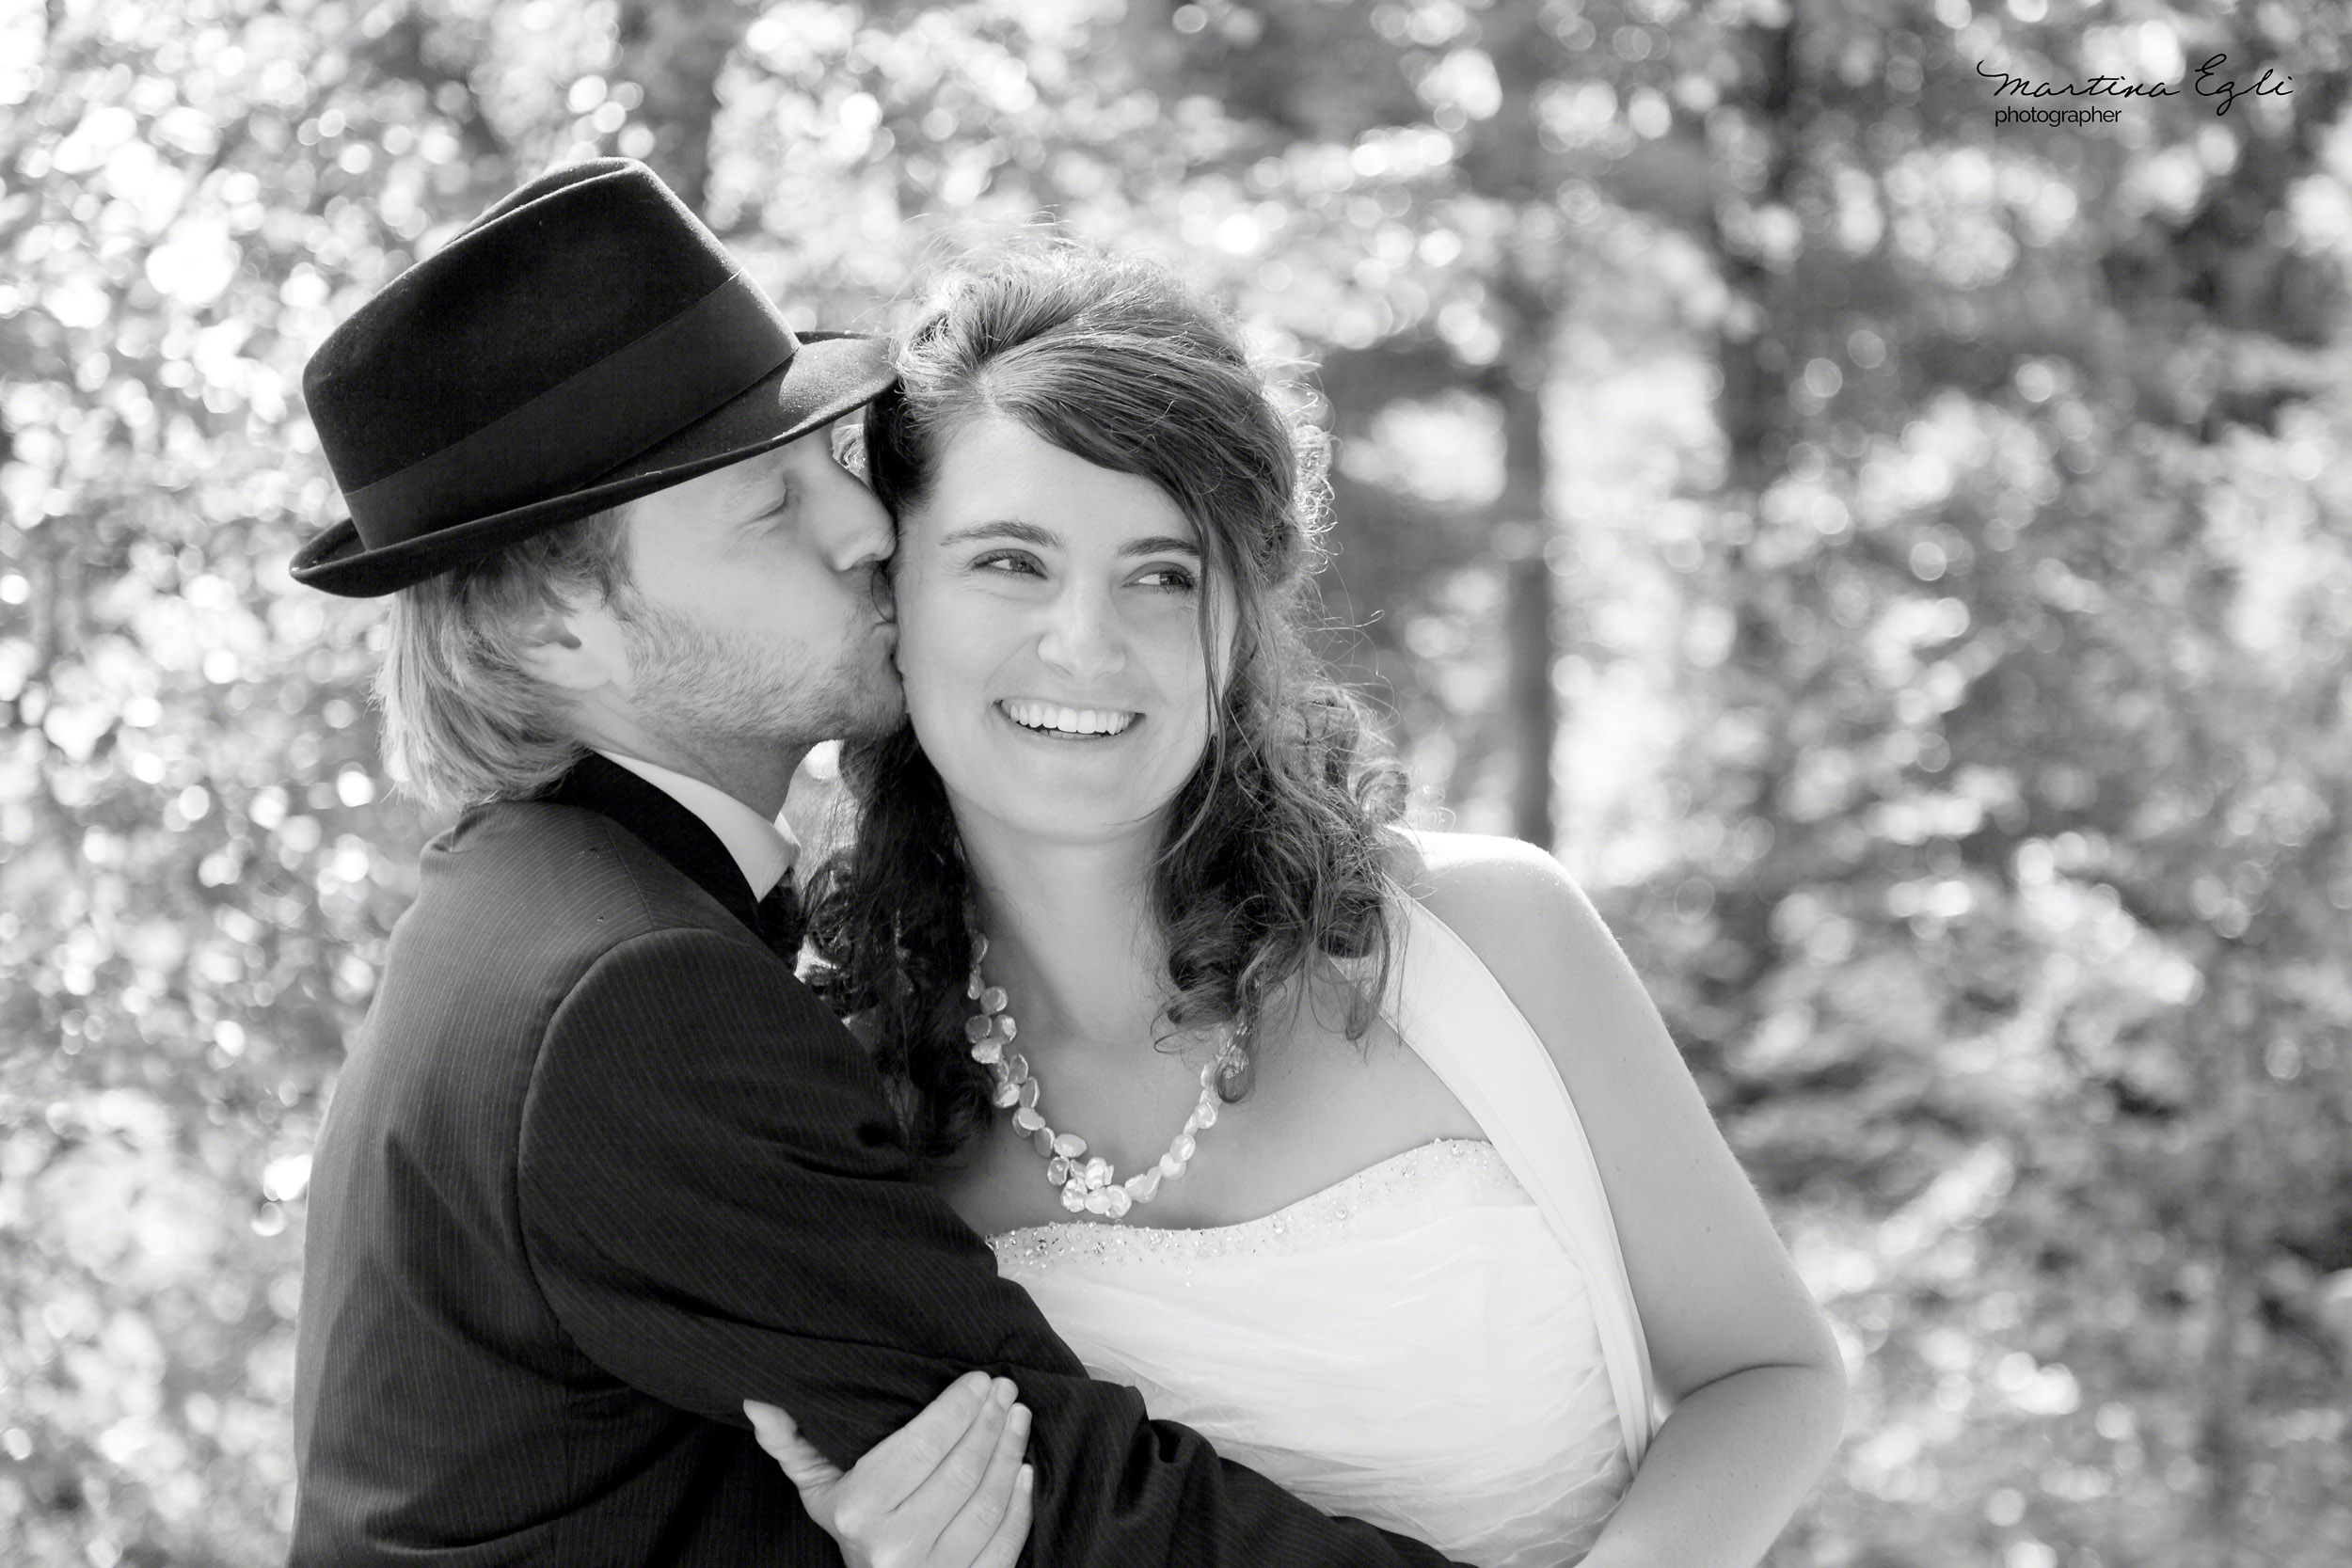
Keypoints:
(878, 720)
(883, 705)
(871, 707)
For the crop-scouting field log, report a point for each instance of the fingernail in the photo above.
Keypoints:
(1020, 1416)
(1028, 1478)
(1004, 1392)
(764, 1416)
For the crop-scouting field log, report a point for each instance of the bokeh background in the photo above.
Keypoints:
(1898, 560)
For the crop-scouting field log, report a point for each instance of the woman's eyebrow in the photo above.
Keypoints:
(1004, 528)
(1023, 532)
(1160, 543)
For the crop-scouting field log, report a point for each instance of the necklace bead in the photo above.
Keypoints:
(1089, 1184)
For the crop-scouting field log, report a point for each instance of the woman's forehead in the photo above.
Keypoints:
(995, 475)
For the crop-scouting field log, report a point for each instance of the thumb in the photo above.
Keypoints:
(807, 1470)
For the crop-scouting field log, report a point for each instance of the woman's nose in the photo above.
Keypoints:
(1081, 638)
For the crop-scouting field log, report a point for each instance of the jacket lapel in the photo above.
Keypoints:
(668, 829)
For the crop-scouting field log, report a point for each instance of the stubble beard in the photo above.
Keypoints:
(703, 686)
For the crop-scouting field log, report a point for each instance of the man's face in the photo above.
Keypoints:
(754, 619)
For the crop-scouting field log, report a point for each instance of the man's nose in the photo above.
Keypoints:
(861, 537)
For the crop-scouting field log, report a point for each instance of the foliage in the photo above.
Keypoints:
(1901, 559)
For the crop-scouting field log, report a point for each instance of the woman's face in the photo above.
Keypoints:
(1049, 636)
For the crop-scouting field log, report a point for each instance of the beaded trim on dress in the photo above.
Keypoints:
(1315, 1220)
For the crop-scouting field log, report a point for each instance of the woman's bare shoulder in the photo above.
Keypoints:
(1494, 892)
(1513, 903)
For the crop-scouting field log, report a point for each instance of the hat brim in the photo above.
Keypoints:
(830, 375)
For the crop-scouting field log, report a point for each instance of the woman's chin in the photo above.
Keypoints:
(1042, 812)
(1043, 822)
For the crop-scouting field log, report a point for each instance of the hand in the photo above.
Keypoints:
(946, 1490)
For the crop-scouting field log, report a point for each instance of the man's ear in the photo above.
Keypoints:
(580, 649)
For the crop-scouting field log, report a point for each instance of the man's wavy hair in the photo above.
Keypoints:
(464, 720)
(1274, 861)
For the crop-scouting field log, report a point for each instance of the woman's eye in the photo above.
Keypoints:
(1013, 563)
(1174, 579)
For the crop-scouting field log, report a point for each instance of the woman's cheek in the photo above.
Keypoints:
(951, 642)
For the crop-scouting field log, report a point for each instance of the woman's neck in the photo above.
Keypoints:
(1071, 934)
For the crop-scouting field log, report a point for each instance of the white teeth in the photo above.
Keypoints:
(1066, 721)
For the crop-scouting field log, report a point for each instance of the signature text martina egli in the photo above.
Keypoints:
(2211, 83)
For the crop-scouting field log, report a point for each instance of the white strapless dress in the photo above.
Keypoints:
(1443, 1345)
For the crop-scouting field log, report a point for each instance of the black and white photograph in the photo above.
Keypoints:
(1239, 783)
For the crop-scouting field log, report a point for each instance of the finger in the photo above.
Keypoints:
(927, 1510)
(1004, 1548)
(896, 1466)
(887, 1494)
(807, 1470)
(966, 1537)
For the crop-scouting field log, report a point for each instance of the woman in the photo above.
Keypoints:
(1281, 1112)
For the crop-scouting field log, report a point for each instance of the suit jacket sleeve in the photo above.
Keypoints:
(717, 1206)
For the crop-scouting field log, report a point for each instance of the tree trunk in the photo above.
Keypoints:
(1754, 412)
(1508, 163)
(1531, 613)
(2223, 1377)
(674, 50)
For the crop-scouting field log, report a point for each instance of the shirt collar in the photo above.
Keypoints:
(763, 850)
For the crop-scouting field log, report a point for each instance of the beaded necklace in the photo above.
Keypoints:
(1087, 1185)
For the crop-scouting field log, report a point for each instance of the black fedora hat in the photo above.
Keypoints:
(586, 342)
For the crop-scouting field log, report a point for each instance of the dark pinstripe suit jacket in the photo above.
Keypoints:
(598, 1169)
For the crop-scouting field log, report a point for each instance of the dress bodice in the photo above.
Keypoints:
(1411, 1346)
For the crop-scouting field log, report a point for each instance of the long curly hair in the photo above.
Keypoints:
(1274, 861)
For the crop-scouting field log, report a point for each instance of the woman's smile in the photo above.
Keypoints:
(1057, 721)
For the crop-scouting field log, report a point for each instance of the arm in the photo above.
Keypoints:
(717, 1206)
(1737, 1342)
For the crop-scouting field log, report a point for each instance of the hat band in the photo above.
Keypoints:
(633, 399)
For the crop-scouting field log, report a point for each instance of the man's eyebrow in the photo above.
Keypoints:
(760, 493)
(756, 512)
(1022, 533)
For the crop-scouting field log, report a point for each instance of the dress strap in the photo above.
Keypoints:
(1448, 1007)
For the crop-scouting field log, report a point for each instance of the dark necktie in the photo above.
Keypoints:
(780, 921)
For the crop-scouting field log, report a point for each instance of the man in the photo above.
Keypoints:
(599, 1168)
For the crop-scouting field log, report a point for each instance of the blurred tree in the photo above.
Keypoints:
(1981, 696)
(199, 863)
(671, 52)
